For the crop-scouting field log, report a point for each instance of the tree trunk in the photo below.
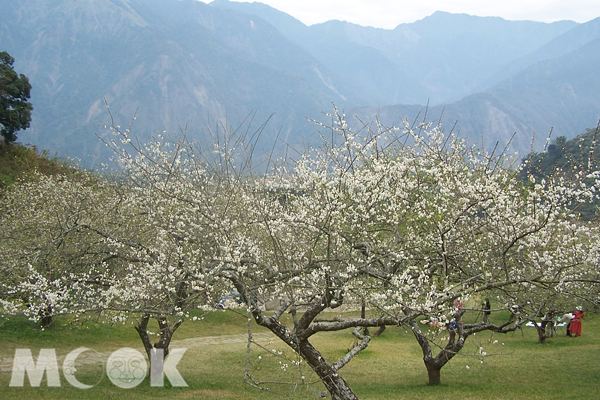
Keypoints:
(142, 330)
(166, 333)
(335, 384)
(433, 372)
(379, 331)
(435, 364)
(363, 313)
(541, 330)
(46, 317)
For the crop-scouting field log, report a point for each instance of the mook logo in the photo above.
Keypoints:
(126, 368)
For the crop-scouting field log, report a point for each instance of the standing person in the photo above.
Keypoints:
(567, 318)
(486, 312)
(575, 327)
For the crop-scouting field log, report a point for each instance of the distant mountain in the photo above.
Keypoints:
(284, 23)
(457, 52)
(184, 62)
(175, 62)
(559, 94)
(562, 45)
(441, 58)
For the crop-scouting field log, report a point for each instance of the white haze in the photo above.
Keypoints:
(389, 13)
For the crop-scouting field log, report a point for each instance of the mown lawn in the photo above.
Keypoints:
(390, 368)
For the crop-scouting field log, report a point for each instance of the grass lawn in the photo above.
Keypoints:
(390, 368)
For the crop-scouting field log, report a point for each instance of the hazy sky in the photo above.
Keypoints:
(389, 13)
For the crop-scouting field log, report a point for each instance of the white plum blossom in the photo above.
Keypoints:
(404, 224)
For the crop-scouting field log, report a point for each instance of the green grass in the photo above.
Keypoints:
(391, 367)
(18, 162)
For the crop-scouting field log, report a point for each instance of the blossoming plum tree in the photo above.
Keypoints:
(82, 245)
(407, 221)
(264, 235)
(47, 250)
(439, 223)
(168, 245)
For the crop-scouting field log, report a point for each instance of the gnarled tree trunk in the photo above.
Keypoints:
(541, 331)
(297, 339)
(335, 384)
(433, 372)
(458, 334)
(166, 333)
(434, 364)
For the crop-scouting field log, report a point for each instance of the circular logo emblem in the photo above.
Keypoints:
(126, 368)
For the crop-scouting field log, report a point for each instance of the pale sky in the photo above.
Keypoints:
(389, 13)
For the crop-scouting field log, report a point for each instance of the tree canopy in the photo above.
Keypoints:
(405, 224)
(15, 109)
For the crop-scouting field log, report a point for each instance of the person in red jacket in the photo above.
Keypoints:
(575, 328)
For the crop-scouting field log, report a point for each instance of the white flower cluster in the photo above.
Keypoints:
(408, 222)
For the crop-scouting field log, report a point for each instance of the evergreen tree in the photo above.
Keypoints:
(15, 110)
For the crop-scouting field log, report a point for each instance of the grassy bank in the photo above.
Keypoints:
(19, 162)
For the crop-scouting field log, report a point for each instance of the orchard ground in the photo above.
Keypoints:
(517, 367)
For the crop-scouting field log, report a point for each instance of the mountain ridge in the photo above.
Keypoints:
(453, 58)
(187, 63)
(556, 95)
